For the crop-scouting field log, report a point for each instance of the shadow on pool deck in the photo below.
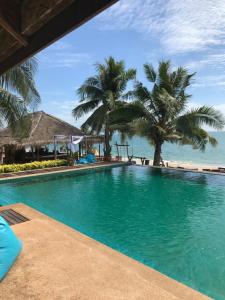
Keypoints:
(58, 262)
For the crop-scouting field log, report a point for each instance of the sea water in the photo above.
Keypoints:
(172, 152)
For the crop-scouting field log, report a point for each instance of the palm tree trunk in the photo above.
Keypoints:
(157, 154)
(107, 144)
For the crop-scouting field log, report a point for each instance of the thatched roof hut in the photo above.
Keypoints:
(42, 130)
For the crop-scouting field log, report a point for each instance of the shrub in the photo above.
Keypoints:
(32, 166)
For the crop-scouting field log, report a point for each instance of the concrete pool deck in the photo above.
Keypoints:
(58, 262)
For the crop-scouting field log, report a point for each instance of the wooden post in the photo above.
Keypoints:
(38, 153)
(71, 141)
(33, 154)
(99, 150)
(55, 154)
(80, 149)
(127, 150)
(117, 148)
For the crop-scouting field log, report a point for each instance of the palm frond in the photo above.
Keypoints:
(89, 91)
(150, 72)
(198, 138)
(163, 79)
(201, 116)
(20, 80)
(12, 108)
(141, 93)
(96, 122)
(127, 113)
(85, 108)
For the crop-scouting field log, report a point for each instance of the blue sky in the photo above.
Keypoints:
(190, 33)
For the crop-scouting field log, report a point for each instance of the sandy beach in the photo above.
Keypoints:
(181, 165)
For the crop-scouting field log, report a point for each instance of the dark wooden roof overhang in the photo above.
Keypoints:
(27, 26)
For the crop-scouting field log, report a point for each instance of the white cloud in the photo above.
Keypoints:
(213, 61)
(63, 60)
(182, 26)
(210, 70)
(62, 55)
(217, 80)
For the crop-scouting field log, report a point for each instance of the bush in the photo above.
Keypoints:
(72, 157)
(32, 166)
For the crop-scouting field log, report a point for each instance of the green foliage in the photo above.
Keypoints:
(32, 166)
(18, 92)
(160, 114)
(72, 157)
(102, 94)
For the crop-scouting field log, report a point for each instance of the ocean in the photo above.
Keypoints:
(172, 152)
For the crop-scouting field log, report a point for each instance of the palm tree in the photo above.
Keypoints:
(100, 95)
(161, 114)
(18, 92)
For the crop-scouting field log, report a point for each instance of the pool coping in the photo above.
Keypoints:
(97, 166)
(96, 268)
(65, 171)
(181, 169)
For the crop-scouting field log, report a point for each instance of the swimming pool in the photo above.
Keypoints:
(173, 221)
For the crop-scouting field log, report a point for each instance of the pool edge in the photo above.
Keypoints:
(68, 171)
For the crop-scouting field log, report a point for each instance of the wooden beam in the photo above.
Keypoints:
(79, 12)
(10, 19)
(36, 13)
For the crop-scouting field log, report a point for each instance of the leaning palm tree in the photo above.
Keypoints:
(100, 95)
(18, 92)
(161, 114)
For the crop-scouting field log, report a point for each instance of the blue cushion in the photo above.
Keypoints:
(91, 158)
(82, 161)
(10, 247)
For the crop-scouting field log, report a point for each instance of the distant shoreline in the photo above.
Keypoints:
(182, 164)
(175, 154)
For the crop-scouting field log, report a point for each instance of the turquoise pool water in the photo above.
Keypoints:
(173, 221)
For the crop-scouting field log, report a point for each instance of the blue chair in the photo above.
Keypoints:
(10, 247)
